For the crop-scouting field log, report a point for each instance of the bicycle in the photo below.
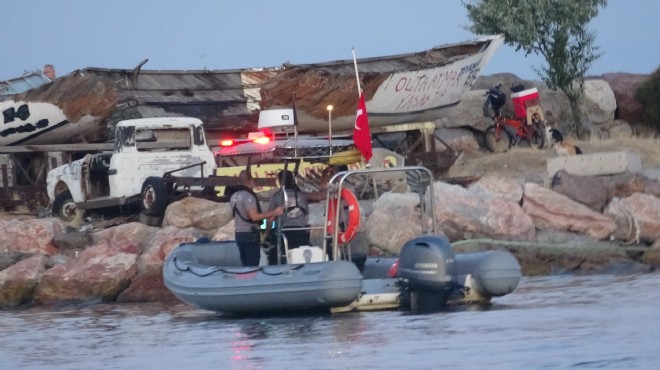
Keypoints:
(527, 127)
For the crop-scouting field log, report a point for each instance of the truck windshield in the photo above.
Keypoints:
(162, 139)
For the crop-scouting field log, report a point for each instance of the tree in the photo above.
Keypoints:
(554, 29)
(648, 94)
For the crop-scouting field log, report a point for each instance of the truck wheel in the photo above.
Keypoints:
(64, 207)
(153, 198)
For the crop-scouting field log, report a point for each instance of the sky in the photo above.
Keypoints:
(228, 34)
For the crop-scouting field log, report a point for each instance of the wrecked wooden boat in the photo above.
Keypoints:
(84, 105)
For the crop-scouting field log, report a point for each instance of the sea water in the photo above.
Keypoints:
(555, 322)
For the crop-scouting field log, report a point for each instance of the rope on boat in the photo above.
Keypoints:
(213, 269)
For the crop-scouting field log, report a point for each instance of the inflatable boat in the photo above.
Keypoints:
(210, 276)
(427, 275)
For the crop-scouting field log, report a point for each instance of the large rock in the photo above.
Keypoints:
(458, 139)
(17, 282)
(71, 240)
(196, 212)
(134, 234)
(148, 285)
(98, 274)
(551, 210)
(598, 102)
(29, 237)
(495, 185)
(626, 184)
(395, 219)
(625, 86)
(462, 215)
(588, 190)
(468, 112)
(637, 217)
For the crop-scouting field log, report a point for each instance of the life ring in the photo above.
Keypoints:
(351, 203)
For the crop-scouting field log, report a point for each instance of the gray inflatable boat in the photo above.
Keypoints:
(426, 275)
(208, 275)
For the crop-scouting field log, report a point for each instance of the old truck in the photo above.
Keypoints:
(144, 151)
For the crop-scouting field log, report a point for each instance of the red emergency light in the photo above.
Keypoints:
(226, 142)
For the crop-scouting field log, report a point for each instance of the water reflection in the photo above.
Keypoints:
(557, 321)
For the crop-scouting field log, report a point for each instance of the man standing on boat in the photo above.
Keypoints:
(247, 218)
(295, 215)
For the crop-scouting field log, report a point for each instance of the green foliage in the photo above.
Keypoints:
(554, 29)
(648, 94)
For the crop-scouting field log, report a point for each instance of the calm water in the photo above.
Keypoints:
(549, 322)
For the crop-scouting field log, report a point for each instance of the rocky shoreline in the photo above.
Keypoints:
(583, 225)
(48, 262)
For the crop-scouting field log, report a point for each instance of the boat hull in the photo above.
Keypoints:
(244, 290)
(84, 105)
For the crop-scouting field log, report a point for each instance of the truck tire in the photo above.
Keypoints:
(153, 197)
(64, 207)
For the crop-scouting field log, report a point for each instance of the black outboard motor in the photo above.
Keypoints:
(427, 272)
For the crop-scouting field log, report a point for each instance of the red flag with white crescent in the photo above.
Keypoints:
(362, 133)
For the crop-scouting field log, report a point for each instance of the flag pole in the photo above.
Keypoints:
(357, 78)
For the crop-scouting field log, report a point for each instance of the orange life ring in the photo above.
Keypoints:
(351, 203)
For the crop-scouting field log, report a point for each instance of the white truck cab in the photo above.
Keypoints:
(147, 147)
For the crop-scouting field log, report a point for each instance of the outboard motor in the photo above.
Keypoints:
(427, 272)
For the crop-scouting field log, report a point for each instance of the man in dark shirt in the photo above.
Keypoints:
(247, 217)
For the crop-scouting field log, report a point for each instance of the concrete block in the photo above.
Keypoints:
(609, 163)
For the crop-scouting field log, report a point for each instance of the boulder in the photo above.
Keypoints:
(496, 185)
(624, 87)
(551, 210)
(71, 240)
(637, 217)
(395, 219)
(29, 237)
(468, 112)
(17, 282)
(98, 274)
(134, 234)
(196, 212)
(462, 215)
(626, 184)
(617, 129)
(458, 139)
(588, 190)
(225, 232)
(148, 285)
(598, 102)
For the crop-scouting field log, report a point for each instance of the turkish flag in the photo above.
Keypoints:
(362, 133)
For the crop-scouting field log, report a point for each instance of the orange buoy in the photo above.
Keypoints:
(350, 204)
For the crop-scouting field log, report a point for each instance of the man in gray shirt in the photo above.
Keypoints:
(296, 211)
(247, 217)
